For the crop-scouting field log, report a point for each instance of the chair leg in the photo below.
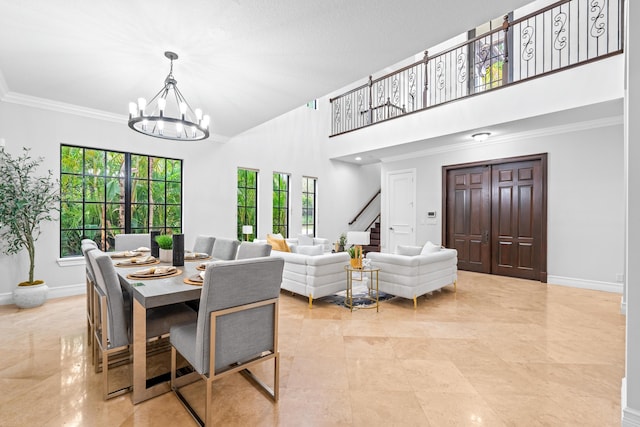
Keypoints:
(455, 286)
(310, 301)
(276, 377)
(415, 302)
(208, 413)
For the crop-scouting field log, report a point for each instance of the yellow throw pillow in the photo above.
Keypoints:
(278, 244)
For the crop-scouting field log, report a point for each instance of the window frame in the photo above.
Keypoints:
(276, 225)
(245, 218)
(106, 232)
(314, 195)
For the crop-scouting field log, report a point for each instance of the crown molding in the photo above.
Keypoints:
(4, 88)
(535, 133)
(62, 107)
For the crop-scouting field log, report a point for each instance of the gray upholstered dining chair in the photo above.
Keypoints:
(253, 250)
(87, 246)
(225, 249)
(88, 242)
(130, 242)
(237, 327)
(204, 244)
(113, 328)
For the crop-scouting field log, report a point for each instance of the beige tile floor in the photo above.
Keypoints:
(499, 352)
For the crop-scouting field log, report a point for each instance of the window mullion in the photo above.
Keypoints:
(127, 192)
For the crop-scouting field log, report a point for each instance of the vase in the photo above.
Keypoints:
(178, 250)
(356, 263)
(166, 255)
(30, 296)
(154, 245)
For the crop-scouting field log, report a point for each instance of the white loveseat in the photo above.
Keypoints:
(414, 270)
(311, 270)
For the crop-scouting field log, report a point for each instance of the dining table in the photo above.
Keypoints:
(145, 295)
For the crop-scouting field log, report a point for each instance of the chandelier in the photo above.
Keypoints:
(168, 115)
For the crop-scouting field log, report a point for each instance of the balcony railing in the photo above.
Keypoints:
(562, 35)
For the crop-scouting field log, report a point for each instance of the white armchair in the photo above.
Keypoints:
(414, 271)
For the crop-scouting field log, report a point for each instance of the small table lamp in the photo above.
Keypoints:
(247, 230)
(358, 238)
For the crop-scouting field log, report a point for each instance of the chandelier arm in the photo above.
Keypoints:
(156, 96)
(179, 94)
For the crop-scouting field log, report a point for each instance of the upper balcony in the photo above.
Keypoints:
(563, 35)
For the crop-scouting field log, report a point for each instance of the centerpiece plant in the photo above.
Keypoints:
(165, 243)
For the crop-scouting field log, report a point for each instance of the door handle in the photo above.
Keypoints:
(485, 236)
(391, 228)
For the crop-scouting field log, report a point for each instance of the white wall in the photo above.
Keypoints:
(292, 143)
(585, 199)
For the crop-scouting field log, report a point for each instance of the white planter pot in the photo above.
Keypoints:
(166, 255)
(30, 296)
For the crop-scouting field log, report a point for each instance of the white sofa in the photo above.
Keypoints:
(414, 270)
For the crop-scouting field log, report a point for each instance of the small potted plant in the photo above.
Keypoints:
(356, 262)
(165, 243)
(340, 244)
(26, 200)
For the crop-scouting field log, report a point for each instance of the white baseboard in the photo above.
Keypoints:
(586, 284)
(630, 418)
(55, 292)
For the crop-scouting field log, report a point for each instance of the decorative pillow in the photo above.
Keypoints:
(277, 244)
(408, 250)
(429, 248)
(310, 250)
(305, 240)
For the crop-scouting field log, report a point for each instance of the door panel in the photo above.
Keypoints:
(401, 209)
(516, 219)
(469, 217)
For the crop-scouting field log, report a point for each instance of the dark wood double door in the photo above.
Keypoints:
(495, 216)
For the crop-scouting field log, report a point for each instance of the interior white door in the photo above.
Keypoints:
(401, 208)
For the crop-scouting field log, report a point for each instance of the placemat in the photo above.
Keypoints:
(132, 254)
(188, 281)
(197, 259)
(127, 264)
(165, 276)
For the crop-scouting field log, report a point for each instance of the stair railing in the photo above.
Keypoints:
(364, 209)
(562, 35)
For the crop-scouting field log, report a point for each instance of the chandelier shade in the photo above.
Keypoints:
(168, 115)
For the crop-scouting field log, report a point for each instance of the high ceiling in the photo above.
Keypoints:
(242, 61)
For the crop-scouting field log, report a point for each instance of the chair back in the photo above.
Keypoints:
(86, 248)
(253, 250)
(109, 285)
(204, 244)
(244, 334)
(225, 249)
(88, 242)
(129, 242)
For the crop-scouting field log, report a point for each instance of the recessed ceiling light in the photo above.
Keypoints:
(482, 136)
(358, 158)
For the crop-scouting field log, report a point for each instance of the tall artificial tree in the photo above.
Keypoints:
(25, 201)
